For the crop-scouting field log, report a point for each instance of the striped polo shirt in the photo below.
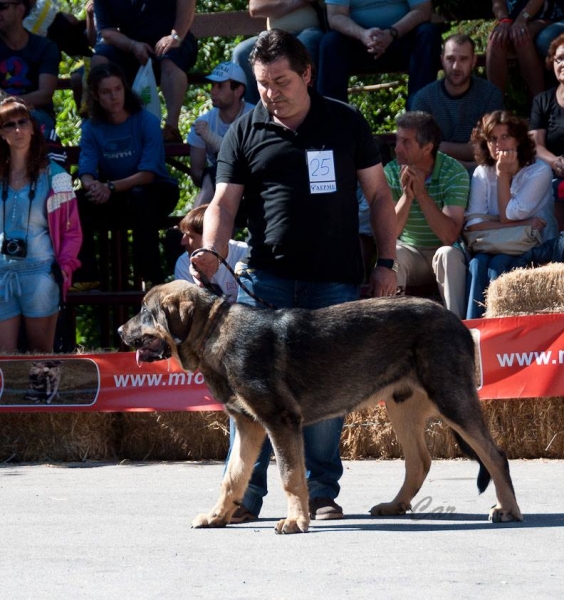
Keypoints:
(448, 185)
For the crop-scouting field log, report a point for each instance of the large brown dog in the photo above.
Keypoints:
(276, 371)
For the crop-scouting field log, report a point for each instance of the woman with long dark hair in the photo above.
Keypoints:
(510, 183)
(123, 173)
(40, 231)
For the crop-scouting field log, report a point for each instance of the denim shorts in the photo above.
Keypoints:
(29, 292)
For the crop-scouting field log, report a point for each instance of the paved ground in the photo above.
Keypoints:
(123, 531)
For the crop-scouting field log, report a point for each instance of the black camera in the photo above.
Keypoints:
(14, 247)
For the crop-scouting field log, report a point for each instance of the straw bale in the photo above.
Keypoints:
(56, 437)
(527, 291)
(174, 435)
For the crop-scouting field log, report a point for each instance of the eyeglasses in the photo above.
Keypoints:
(559, 60)
(4, 5)
(13, 125)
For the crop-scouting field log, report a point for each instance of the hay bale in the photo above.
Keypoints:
(56, 437)
(526, 292)
(174, 435)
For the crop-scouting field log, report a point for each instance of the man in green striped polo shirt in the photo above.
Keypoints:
(430, 190)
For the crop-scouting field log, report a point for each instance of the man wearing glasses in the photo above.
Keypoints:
(29, 63)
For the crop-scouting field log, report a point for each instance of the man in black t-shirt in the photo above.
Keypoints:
(296, 159)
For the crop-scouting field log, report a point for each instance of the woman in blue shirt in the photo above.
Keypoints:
(123, 173)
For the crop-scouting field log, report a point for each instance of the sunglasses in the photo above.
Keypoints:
(13, 125)
(4, 5)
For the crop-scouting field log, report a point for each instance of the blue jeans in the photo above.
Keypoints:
(309, 37)
(321, 440)
(482, 269)
(545, 37)
(418, 52)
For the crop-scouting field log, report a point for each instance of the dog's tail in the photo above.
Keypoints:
(484, 476)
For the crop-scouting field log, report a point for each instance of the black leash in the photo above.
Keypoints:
(216, 289)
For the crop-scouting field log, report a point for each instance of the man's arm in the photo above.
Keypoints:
(383, 282)
(446, 224)
(219, 220)
(184, 17)
(198, 162)
(275, 8)
(339, 19)
(43, 95)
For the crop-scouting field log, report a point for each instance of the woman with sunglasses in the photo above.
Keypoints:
(123, 173)
(40, 232)
(509, 183)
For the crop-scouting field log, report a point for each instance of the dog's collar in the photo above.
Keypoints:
(215, 314)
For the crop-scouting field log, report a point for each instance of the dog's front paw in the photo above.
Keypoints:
(292, 526)
(389, 509)
(209, 520)
(498, 514)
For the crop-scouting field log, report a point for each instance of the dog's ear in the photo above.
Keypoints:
(179, 313)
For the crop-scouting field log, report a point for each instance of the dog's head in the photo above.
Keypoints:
(161, 329)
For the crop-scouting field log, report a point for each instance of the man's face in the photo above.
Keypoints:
(283, 92)
(11, 15)
(408, 150)
(191, 240)
(458, 61)
(222, 96)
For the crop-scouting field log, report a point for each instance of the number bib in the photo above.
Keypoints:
(321, 168)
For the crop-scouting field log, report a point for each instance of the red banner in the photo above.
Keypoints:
(517, 357)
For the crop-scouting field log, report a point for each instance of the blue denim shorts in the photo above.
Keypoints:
(29, 292)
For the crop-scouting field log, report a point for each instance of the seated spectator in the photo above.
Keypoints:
(390, 36)
(518, 24)
(131, 33)
(71, 35)
(430, 190)
(29, 64)
(458, 100)
(192, 228)
(40, 232)
(227, 91)
(547, 118)
(509, 183)
(303, 18)
(123, 173)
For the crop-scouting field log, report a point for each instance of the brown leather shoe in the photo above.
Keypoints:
(324, 509)
(171, 135)
(242, 515)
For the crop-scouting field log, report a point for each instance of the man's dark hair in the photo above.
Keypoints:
(132, 102)
(459, 39)
(27, 7)
(426, 128)
(275, 44)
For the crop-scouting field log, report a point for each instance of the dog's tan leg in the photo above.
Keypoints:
(248, 442)
(289, 449)
(408, 419)
(480, 440)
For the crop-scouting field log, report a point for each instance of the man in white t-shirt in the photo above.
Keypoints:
(228, 87)
(191, 227)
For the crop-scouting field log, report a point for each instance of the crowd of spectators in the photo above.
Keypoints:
(439, 166)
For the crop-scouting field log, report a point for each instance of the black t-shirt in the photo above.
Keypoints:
(295, 233)
(547, 114)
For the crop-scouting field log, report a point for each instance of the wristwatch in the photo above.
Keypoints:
(526, 15)
(393, 32)
(388, 263)
(111, 186)
(175, 36)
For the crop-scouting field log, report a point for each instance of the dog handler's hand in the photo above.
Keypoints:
(383, 282)
(206, 263)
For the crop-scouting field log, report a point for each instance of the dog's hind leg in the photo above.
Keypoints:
(477, 436)
(287, 441)
(408, 418)
(250, 436)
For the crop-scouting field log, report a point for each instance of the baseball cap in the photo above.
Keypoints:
(228, 70)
